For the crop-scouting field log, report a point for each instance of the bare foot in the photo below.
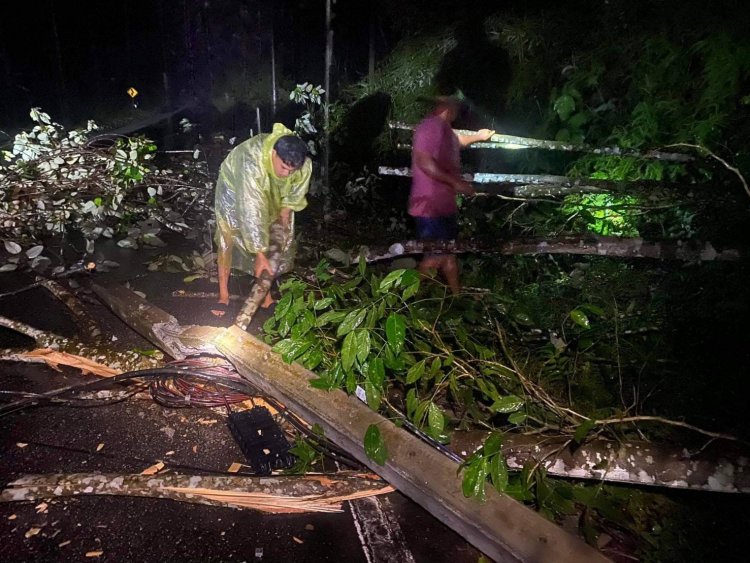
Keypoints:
(268, 301)
(220, 309)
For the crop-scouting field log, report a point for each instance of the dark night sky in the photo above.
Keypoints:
(79, 57)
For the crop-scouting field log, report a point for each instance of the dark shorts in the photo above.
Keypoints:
(437, 228)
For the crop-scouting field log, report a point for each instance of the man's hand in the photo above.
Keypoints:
(464, 187)
(262, 265)
(285, 217)
(485, 134)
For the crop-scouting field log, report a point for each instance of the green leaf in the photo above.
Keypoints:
(469, 481)
(376, 372)
(304, 324)
(372, 395)
(312, 358)
(564, 106)
(474, 480)
(508, 404)
(498, 472)
(282, 346)
(395, 331)
(323, 303)
(437, 363)
(580, 318)
(492, 444)
(488, 389)
(352, 320)
(349, 351)
(523, 318)
(330, 317)
(410, 290)
(269, 326)
(363, 345)
(282, 307)
(583, 429)
(296, 349)
(362, 266)
(391, 280)
(517, 417)
(188, 279)
(415, 372)
(594, 309)
(419, 413)
(412, 401)
(435, 419)
(410, 283)
(375, 446)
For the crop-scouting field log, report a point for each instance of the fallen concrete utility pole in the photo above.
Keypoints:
(499, 141)
(276, 495)
(500, 527)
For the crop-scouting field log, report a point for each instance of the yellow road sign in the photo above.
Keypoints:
(132, 92)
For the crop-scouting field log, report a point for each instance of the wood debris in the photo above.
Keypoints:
(154, 469)
(55, 359)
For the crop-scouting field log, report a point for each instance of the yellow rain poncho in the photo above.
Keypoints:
(249, 199)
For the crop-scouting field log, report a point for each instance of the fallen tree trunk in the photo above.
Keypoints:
(718, 468)
(502, 528)
(277, 494)
(55, 350)
(532, 186)
(589, 245)
(499, 141)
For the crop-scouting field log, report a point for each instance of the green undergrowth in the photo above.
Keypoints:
(557, 345)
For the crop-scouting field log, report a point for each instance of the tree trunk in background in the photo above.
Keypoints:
(61, 86)
(326, 113)
(371, 50)
(188, 46)
(273, 64)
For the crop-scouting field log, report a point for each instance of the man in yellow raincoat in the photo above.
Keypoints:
(262, 182)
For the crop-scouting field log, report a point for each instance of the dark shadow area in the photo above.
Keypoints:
(476, 67)
(353, 141)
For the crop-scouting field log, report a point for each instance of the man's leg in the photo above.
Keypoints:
(440, 229)
(449, 269)
(224, 267)
(446, 265)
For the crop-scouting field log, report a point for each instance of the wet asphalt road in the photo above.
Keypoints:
(137, 433)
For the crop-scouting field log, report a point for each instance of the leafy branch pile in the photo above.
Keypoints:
(53, 180)
(451, 363)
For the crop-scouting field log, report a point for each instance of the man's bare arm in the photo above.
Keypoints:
(481, 135)
(430, 167)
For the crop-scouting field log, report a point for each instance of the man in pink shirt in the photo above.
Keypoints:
(436, 180)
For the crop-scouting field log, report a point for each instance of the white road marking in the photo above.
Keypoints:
(379, 531)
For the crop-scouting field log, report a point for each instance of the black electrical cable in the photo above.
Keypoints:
(235, 384)
(238, 385)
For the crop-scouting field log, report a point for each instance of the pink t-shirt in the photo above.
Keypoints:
(430, 198)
